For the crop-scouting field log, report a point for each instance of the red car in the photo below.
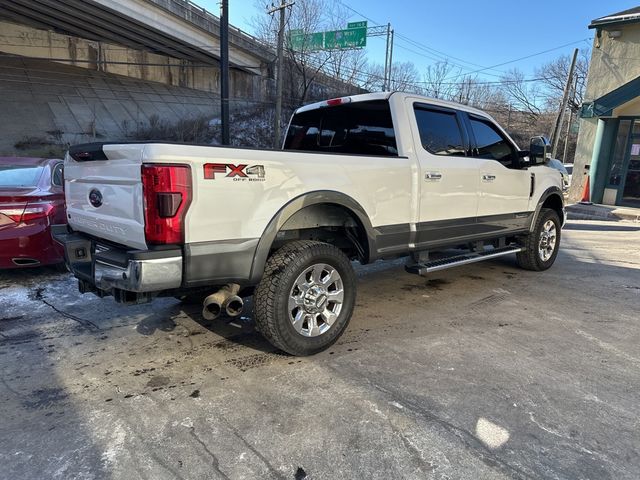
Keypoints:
(31, 200)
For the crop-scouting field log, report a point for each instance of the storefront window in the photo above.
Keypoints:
(619, 151)
(631, 193)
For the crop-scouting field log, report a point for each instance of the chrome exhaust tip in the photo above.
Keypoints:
(224, 300)
(212, 307)
(22, 262)
(233, 305)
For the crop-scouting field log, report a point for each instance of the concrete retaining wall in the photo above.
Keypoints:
(66, 104)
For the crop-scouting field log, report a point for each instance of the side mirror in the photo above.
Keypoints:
(538, 150)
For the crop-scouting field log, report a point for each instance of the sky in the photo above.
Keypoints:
(471, 33)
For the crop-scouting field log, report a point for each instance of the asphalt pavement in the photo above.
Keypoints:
(480, 372)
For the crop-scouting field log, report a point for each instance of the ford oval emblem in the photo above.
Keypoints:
(95, 197)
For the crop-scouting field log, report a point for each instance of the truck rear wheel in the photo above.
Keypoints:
(305, 299)
(541, 246)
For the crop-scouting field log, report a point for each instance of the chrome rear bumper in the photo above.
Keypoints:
(140, 275)
(111, 268)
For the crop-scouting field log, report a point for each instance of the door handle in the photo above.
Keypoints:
(487, 177)
(433, 176)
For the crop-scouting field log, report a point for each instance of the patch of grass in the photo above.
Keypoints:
(40, 147)
(188, 130)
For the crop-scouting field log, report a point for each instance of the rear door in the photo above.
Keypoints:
(505, 188)
(103, 190)
(449, 178)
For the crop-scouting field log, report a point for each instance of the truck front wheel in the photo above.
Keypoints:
(305, 299)
(540, 247)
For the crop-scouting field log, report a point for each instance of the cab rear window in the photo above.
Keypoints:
(363, 128)
(19, 175)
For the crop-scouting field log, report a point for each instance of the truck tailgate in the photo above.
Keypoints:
(104, 195)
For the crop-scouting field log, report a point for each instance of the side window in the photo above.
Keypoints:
(57, 178)
(440, 131)
(361, 128)
(490, 143)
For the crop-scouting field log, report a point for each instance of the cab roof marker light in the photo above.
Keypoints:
(337, 101)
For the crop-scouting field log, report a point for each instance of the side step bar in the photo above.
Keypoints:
(456, 260)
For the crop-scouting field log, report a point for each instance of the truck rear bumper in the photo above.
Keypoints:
(151, 275)
(108, 268)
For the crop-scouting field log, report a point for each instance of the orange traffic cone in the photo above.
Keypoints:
(586, 194)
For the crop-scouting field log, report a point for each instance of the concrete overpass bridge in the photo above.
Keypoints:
(177, 29)
(80, 70)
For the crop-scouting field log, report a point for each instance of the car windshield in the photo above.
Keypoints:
(19, 175)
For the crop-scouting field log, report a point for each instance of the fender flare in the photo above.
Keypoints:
(543, 198)
(295, 205)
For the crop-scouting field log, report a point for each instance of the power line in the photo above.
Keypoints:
(439, 52)
(527, 56)
(439, 59)
(448, 56)
(445, 55)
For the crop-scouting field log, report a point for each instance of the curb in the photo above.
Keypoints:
(601, 212)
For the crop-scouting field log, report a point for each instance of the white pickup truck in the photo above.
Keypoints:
(363, 178)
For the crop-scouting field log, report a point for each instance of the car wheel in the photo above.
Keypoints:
(541, 246)
(306, 297)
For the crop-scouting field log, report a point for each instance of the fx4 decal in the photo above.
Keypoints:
(251, 173)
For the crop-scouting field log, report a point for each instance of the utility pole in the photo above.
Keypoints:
(570, 121)
(279, 63)
(224, 70)
(387, 59)
(390, 61)
(563, 106)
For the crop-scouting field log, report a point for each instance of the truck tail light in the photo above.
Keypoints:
(167, 195)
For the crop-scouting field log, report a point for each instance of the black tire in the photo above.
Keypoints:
(531, 258)
(271, 297)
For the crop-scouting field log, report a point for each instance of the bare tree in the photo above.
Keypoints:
(404, 77)
(523, 94)
(436, 83)
(348, 65)
(305, 63)
(372, 78)
(554, 75)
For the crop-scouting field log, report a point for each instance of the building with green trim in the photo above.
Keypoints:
(608, 148)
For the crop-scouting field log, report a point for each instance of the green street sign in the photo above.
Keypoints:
(357, 24)
(350, 38)
(355, 36)
(309, 42)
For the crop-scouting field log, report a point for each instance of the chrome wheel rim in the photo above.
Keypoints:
(315, 300)
(547, 243)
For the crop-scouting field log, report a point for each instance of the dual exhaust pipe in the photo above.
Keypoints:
(224, 300)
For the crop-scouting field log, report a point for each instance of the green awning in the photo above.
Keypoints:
(604, 106)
